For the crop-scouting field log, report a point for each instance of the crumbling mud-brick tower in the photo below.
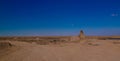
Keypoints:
(81, 35)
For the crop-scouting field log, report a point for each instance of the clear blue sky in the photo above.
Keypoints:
(59, 17)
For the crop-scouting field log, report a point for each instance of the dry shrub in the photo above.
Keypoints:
(42, 42)
(5, 45)
(116, 42)
(93, 44)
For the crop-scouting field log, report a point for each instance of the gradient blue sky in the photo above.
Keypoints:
(59, 17)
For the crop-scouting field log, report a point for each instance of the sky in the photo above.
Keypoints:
(59, 17)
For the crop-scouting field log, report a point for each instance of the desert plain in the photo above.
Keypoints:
(83, 50)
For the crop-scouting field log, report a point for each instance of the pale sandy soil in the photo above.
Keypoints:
(84, 51)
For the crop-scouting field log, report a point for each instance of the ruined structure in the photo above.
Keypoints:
(82, 36)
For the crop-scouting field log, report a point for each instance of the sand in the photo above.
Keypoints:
(92, 50)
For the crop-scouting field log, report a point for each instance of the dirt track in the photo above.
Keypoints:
(105, 51)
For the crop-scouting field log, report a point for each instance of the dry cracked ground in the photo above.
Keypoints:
(93, 50)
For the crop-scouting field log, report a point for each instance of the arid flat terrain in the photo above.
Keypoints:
(90, 50)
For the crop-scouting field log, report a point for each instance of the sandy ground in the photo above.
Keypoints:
(101, 50)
